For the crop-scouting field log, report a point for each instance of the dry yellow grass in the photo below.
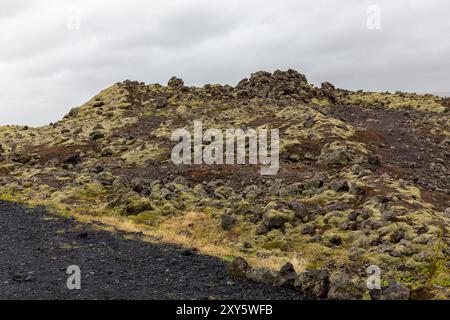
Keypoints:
(203, 235)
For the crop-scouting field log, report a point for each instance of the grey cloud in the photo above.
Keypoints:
(45, 69)
(11, 8)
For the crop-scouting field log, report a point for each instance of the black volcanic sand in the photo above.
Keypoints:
(37, 247)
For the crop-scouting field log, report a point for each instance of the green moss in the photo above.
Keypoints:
(167, 209)
(137, 205)
(152, 218)
(396, 101)
(436, 269)
(91, 191)
(272, 245)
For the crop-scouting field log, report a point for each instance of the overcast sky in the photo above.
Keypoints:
(55, 55)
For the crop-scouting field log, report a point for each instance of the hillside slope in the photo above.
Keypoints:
(363, 180)
(33, 264)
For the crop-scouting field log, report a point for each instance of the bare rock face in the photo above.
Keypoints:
(298, 208)
(262, 275)
(96, 135)
(447, 212)
(286, 277)
(161, 102)
(274, 219)
(238, 268)
(335, 157)
(374, 160)
(22, 158)
(73, 158)
(395, 291)
(314, 283)
(227, 222)
(329, 91)
(342, 287)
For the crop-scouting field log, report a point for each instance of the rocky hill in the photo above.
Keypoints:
(364, 177)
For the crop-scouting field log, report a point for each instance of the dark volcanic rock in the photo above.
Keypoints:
(22, 158)
(286, 276)
(175, 83)
(262, 275)
(314, 283)
(395, 291)
(281, 83)
(96, 135)
(238, 268)
(374, 160)
(73, 159)
(227, 222)
(343, 288)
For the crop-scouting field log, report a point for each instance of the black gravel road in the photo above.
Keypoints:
(36, 249)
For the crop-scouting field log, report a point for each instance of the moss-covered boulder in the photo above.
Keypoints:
(274, 219)
(137, 205)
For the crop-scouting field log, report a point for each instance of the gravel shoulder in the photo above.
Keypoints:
(37, 247)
